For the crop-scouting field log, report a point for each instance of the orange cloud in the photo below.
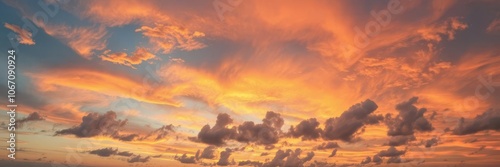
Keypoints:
(447, 28)
(85, 41)
(23, 36)
(140, 55)
(167, 38)
(104, 83)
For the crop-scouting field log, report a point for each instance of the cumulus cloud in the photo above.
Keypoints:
(186, 159)
(334, 152)
(431, 142)
(395, 159)
(209, 152)
(308, 129)
(249, 163)
(219, 133)
(410, 118)
(140, 55)
(366, 160)
(266, 133)
(391, 152)
(23, 36)
(292, 158)
(400, 140)
(376, 159)
(224, 157)
(345, 127)
(328, 145)
(106, 152)
(167, 38)
(489, 120)
(138, 158)
(95, 124)
(34, 116)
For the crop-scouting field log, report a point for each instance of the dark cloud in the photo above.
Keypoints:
(125, 154)
(185, 159)
(410, 118)
(489, 120)
(104, 152)
(266, 133)
(138, 158)
(376, 159)
(264, 154)
(292, 158)
(128, 137)
(307, 129)
(400, 140)
(395, 159)
(345, 127)
(209, 153)
(391, 152)
(431, 142)
(224, 157)
(160, 133)
(95, 124)
(250, 163)
(334, 152)
(219, 133)
(328, 145)
(366, 160)
(34, 116)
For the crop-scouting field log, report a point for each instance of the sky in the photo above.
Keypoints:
(253, 83)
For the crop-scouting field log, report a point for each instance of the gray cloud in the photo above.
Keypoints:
(125, 154)
(308, 129)
(209, 153)
(34, 116)
(489, 120)
(266, 133)
(395, 159)
(391, 152)
(138, 158)
(224, 157)
(328, 145)
(219, 133)
(292, 158)
(185, 159)
(334, 152)
(250, 163)
(400, 140)
(410, 118)
(104, 152)
(160, 133)
(431, 142)
(95, 124)
(345, 127)
(376, 159)
(366, 160)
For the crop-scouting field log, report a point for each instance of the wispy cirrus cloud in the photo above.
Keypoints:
(85, 41)
(167, 38)
(23, 36)
(140, 55)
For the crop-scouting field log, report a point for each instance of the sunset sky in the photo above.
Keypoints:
(256, 83)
